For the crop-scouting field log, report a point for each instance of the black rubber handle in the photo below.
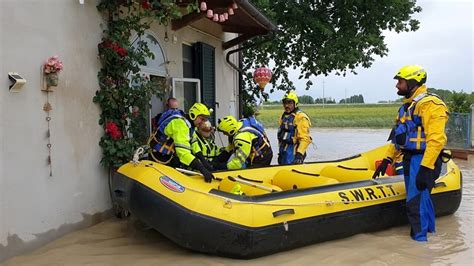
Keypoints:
(282, 212)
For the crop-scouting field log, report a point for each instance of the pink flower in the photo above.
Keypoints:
(52, 65)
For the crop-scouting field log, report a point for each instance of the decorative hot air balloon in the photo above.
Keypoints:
(262, 76)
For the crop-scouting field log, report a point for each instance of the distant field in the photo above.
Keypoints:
(362, 115)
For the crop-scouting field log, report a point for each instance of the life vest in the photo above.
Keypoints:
(287, 129)
(159, 141)
(208, 147)
(408, 134)
(261, 144)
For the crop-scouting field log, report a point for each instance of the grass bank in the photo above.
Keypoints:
(337, 115)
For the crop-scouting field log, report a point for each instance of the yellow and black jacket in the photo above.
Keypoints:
(250, 146)
(172, 137)
(206, 146)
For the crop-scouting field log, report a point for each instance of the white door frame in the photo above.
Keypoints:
(198, 81)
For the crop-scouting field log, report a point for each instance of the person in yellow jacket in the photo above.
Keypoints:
(248, 143)
(293, 133)
(170, 142)
(419, 134)
(203, 145)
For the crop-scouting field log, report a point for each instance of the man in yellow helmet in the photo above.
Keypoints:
(419, 135)
(248, 143)
(170, 142)
(293, 133)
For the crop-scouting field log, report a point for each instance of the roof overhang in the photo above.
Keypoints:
(247, 20)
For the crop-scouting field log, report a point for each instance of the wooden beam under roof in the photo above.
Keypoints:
(186, 20)
(240, 29)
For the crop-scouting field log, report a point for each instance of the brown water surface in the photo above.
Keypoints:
(130, 242)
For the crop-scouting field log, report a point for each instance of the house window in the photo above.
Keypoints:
(198, 65)
(187, 89)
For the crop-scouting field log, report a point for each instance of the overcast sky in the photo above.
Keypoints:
(443, 45)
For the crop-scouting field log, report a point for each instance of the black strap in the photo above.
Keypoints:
(304, 173)
(350, 168)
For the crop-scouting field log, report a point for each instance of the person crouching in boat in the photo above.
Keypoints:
(170, 142)
(247, 142)
(203, 144)
(419, 135)
(293, 133)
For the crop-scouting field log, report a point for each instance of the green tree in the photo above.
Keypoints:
(460, 102)
(305, 99)
(319, 37)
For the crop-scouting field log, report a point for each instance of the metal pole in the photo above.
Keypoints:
(323, 94)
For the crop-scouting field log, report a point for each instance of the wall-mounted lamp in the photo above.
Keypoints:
(17, 81)
(81, 2)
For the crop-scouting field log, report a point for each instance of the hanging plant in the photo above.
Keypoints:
(124, 95)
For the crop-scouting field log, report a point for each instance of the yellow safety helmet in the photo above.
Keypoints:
(198, 109)
(291, 95)
(229, 125)
(412, 72)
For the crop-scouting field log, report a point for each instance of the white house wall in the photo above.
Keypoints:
(35, 207)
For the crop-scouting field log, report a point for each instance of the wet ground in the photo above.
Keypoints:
(130, 242)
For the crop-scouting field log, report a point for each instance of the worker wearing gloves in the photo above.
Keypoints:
(419, 135)
(170, 142)
(293, 133)
(248, 143)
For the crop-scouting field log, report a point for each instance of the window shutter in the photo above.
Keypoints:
(205, 70)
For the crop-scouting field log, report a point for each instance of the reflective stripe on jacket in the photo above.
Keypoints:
(207, 147)
(249, 142)
(173, 136)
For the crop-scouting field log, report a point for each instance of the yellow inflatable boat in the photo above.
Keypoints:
(254, 212)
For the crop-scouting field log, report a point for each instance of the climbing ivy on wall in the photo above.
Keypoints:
(124, 94)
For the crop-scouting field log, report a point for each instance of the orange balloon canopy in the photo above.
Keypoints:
(262, 76)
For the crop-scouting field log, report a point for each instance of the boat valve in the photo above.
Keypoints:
(228, 204)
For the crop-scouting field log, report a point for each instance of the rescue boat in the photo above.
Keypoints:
(255, 212)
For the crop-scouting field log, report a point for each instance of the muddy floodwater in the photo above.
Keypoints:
(129, 242)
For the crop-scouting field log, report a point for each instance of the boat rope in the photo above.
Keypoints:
(229, 202)
(136, 156)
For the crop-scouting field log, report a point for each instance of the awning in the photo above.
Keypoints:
(247, 21)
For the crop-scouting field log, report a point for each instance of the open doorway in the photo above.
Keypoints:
(156, 70)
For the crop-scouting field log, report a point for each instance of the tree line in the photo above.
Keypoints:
(307, 99)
